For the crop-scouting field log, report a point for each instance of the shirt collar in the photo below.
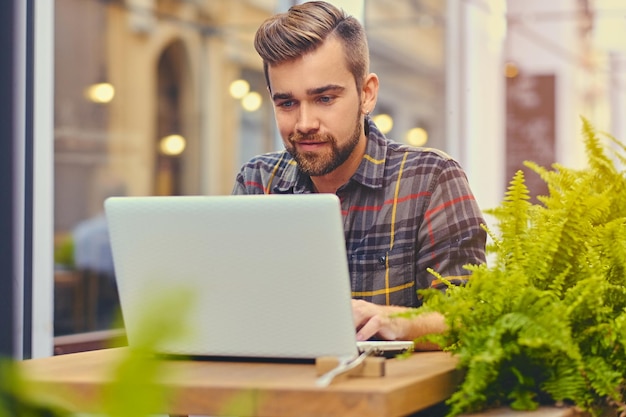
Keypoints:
(370, 172)
(292, 180)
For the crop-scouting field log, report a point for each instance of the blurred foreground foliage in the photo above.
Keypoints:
(134, 390)
(16, 401)
(546, 322)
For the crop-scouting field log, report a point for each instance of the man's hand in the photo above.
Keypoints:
(382, 321)
(375, 320)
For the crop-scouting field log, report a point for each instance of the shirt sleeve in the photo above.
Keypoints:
(451, 235)
(239, 187)
(249, 180)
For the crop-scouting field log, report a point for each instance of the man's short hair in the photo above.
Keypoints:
(303, 28)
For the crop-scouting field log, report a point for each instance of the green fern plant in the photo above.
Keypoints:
(546, 322)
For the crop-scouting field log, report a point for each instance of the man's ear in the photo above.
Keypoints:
(369, 93)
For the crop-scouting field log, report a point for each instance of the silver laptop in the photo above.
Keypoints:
(266, 276)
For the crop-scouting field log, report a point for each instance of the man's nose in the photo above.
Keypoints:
(307, 120)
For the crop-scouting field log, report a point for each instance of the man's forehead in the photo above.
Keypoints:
(323, 66)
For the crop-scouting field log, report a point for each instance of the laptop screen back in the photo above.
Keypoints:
(267, 274)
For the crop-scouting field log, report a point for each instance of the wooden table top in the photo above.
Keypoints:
(220, 388)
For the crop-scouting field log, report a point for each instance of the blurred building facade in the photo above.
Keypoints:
(169, 66)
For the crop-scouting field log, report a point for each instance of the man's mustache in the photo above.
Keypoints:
(298, 137)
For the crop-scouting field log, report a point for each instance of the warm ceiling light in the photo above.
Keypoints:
(511, 70)
(417, 136)
(239, 88)
(100, 93)
(251, 101)
(384, 122)
(172, 145)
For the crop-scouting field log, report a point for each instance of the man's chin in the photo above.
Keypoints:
(313, 168)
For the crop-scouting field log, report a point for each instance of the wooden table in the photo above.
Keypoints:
(257, 389)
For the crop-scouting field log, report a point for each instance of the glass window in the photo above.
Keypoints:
(156, 97)
(406, 40)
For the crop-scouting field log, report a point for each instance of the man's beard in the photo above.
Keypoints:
(316, 163)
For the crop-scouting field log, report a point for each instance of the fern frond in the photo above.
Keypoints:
(603, 378)
(513, 216)
(620, 152)
(566, 382)
(599, 163)
(558, 180)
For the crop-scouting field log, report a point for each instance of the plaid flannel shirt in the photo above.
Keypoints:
(405, 209)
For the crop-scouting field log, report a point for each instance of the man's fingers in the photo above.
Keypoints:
(369, 328)
(372, 320)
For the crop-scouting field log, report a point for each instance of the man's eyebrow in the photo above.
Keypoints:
(325, 89)
(282, 96)
(310, 92)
